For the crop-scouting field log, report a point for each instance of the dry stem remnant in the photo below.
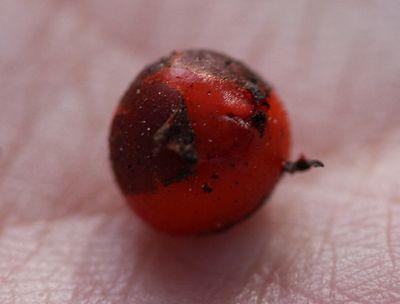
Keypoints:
(302, 164)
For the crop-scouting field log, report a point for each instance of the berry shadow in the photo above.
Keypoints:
(208, 268)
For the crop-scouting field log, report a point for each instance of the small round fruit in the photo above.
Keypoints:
(198, 142)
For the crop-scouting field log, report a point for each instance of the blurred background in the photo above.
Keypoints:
(330, 57)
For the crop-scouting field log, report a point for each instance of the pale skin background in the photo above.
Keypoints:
(329, 236)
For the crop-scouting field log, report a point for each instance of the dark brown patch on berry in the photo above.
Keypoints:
(155, 67)
(206, 188)
(229, 69)
(151, 139)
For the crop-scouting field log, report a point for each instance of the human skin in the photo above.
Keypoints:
(329, 236)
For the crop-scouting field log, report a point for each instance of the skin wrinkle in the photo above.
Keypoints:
(282, 266)
(10, 277)
(359, 187)
(284, 263)
(362, 274)
(253, 269)
(40, 242)
(106, 286)
(373, 292)
(362, 270)
(364, 296)
(218, 279)
(139, 267)
(311, 299)
(333, 270)
(51, 276)
(363, 237)
(91, 288)
(352, 298)
(343, 292)
(90, 285)
(389, 242)
(327, 234)
(328, 241)
(306, 288)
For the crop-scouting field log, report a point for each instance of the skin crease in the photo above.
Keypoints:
(329, 236)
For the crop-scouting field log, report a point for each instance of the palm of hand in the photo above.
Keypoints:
(331, 236)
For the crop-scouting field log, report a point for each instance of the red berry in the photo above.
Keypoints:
(198, 142)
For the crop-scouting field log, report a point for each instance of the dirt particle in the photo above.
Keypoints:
(258, 120)
(206, 188)
(265, 104)
(215, 176)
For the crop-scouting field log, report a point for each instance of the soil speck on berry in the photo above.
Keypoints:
(206, 188)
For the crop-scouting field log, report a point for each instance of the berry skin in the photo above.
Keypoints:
(198, 142)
